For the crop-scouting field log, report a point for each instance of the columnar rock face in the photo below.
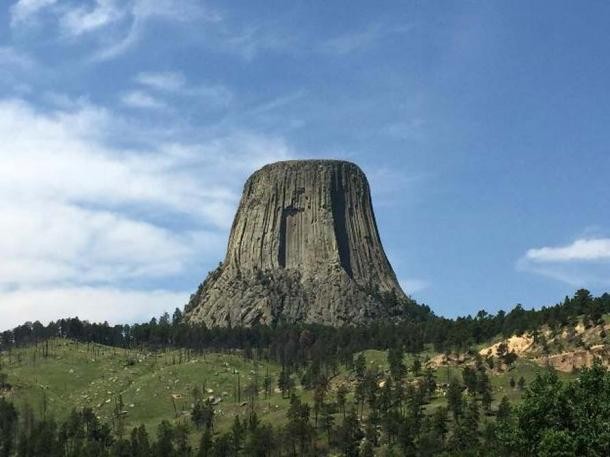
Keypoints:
(304, 247)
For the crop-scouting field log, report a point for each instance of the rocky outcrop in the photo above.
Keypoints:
(304, 247)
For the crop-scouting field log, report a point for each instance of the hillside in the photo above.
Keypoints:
(158, 385)
(412, 388)
(153, 385)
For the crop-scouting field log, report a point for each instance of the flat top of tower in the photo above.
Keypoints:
(309, 163)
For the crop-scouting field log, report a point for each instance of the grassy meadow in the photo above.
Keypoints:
(145, 387)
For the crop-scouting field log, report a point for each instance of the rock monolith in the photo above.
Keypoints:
(304, 247)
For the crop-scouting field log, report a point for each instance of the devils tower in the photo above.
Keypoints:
(304, 247)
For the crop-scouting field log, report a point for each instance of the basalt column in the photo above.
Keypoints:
(304, 247)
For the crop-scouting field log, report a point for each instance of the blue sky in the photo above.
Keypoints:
(129, 126)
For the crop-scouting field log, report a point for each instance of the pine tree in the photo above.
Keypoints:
(484, 388)
(139, 443)
(267, 384)
(439, 423)
(183, 445)
(416, 366)
(454, 398)
(342, 392)
(328, 421)
(360, 366)
(164, 446)
(470, 380)
(349, 435)
(504, 410)
(298, 425)
(237, 435)
(8, 427)
(396, 362)
(206, 444)
(429, 382)
(283, 382)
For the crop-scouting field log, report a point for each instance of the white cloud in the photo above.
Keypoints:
(80, 19)
(141, 12)
(116, 306)
(175, 83)
(583, 263)
(579, 250)
(114, 25)
(168, 81)
(81, 214)
(25, 10)
(52, 242)
(140, 99)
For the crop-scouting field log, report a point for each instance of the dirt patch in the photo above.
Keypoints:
(520, 345)
(568, 361)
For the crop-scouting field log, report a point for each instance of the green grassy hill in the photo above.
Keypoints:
(351, 399)
(159, 385)
(152, 385)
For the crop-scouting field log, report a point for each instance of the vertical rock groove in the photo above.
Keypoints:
(304, 247)
(282, 247)
(337, 197)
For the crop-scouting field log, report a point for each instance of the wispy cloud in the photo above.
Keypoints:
(80, 213)
(363, 39)
(114, 25)
(251, 40)
(168, 81)
(25, 11)
(175, 83)
(142, 12)
(276, 103)
(79, 20)
(584, 262)
(140, 99)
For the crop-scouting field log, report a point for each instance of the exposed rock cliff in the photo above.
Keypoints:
(304, 247)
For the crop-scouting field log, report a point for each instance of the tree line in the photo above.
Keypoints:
(294, 344)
